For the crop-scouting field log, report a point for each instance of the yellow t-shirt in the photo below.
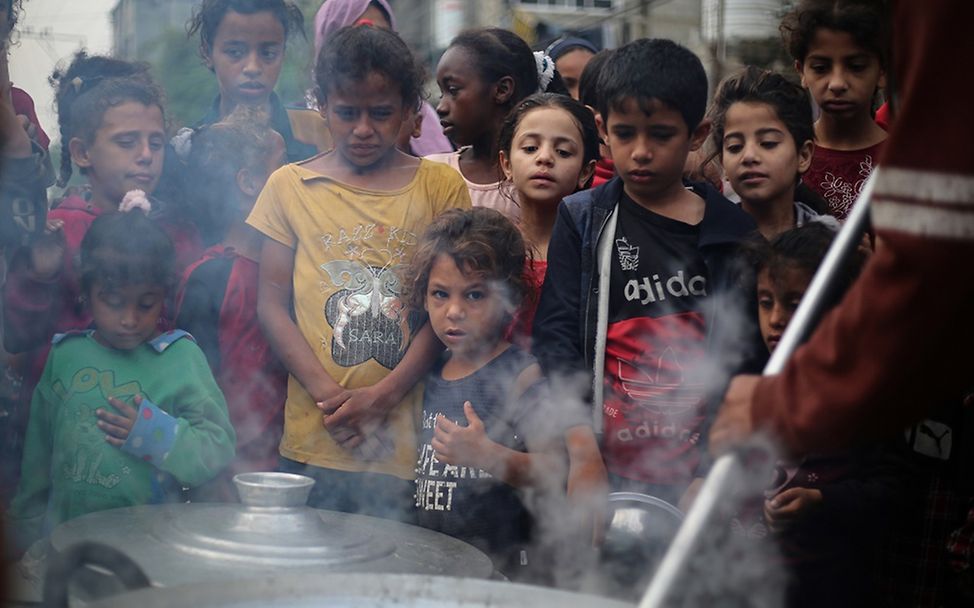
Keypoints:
(349, 246)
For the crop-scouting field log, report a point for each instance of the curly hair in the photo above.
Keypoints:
(867, 21)
(358, 50)
(208, 16)
(88, 88)
(122, 249)
(478, 240)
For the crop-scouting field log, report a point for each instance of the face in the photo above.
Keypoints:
(570, 66)
(465, 107)
(365, 118)
(376, 16)
(247, 55)
(546, 157)
(841, 75)
(465, 313)
(126, 153)
(778, 300)
(650, 149)
(760, 156)
(126, 317)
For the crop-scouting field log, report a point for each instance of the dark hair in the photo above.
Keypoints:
(649, 69)
(588, 82)
(207, 17)
(788, 100)
(580, 115)
(562, 45)
(241, 140)
(479, 240)
(498, 53)
(867, 21)
(358, 50)
(803, 248)
(13, 13)
(127, 248)
(86, 90)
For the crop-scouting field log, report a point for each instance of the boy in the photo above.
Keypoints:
(637, 271)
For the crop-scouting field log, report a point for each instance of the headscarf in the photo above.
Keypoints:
(336, 14)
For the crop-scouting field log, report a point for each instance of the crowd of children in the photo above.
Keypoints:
(469, 340)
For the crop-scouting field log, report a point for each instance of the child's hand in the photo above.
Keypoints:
(463, 445)
(353, 415)
(47, 252)
(118, 426)
(790, 506)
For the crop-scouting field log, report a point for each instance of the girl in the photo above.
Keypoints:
(112, 126)
(243, 43)
(840, 50)
(229, 163)
(338, 227)
(548, 148)
(123, 415)
(826, 511)
(481, 401)
(423, 135)
(482, 75)
(762, 134)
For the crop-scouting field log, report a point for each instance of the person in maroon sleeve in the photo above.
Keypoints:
(908, 349)
(228, 164)
(839, 48)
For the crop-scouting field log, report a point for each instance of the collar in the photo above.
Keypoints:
(165, 340)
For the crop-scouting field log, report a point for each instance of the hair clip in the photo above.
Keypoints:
(546, 70)
(135, 199)
(365, 22)
(77, 83)
(182, 143)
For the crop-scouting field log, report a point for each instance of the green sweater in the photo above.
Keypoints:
(69, 469)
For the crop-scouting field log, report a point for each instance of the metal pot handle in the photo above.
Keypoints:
(65, 566)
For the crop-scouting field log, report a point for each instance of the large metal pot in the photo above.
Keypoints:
(272, 531)
(358, 591)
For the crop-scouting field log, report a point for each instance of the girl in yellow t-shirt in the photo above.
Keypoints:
(339, 227)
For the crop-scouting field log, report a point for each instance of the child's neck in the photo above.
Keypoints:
(228, 105)
(392, 173)
(537, 224)
(244, 239)
(676, 203)
(478, 162)
(461, 366)
(856, 133)
(772, 217)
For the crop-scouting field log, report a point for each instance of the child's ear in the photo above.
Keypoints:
(799, 67)
(418, 124)
(503, 90)
(587, 172)
(600, 124)
(79, 152)
(505, 164)
(248, 184)
(805, 154)
(699, 135)
(207, 55)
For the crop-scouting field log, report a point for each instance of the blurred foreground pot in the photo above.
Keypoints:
(358, 591)
(271, 532)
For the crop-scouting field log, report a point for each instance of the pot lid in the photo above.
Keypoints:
(272, 529)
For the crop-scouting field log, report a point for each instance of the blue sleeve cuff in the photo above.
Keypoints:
(153, 435)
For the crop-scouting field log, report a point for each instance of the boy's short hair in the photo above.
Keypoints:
(657, 69)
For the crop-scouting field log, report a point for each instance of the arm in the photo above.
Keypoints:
(198, 306)
(273, 312)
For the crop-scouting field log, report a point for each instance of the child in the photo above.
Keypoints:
(548, 148)
(229, 163)
(571, 54)
(482, 75)
(840, 49)
(588, 94)
(338, 228)
(762, 134)
(112, 126)
(243, 43)
(123, 415)
(639, 275)
(480, 408)
(424, 136)
(826, 511)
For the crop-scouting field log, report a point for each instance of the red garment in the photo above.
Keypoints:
(252, 379)
(900, 341)
(838, 175)
(882, 116)
(605, 169)
(519, 331)
(24, 105)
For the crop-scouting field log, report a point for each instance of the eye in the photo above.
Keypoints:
(439, 294)
(819, 68)
(765, 302)
(476, 295)
(769, 145)
(270, 54)
(733, 148)
(233, 53)
(453, 91)
(564, 153)
(125, 142)
(529, 149)
(345, 113)
(623, 134)
(156, 143)
(380, 114)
